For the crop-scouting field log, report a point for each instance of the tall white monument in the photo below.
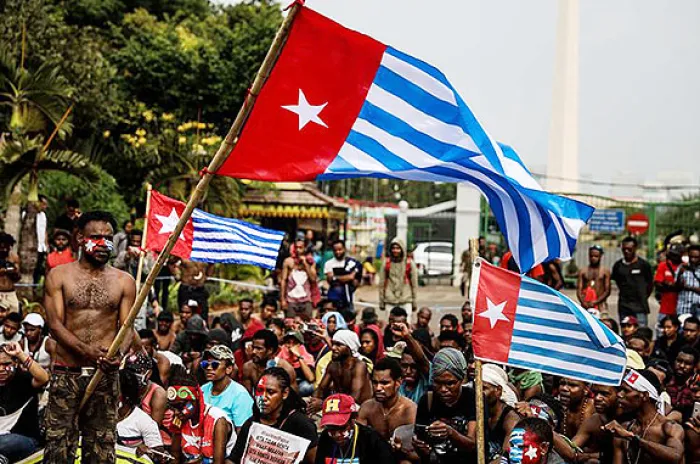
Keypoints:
(562, 162)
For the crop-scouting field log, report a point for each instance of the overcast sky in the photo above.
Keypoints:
(639, 73)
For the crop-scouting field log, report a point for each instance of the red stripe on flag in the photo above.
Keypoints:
(494, 312)
(308, 105)
(162, 218)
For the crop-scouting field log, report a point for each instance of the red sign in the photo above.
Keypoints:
(637, 223)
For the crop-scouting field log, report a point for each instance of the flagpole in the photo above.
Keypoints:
(144, 238)
(222, 153)
(478, 381)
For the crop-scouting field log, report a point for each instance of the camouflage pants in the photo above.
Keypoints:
(96, 423)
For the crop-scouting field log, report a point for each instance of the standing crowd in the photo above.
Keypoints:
(362, 385)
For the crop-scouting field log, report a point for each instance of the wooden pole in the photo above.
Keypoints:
(478, 382)
(222, 153)
(144, 237)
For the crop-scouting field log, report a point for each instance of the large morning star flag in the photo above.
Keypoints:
(521, 322)
(339, 104)
(210, 238)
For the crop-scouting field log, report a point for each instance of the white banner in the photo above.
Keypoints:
(272, 446)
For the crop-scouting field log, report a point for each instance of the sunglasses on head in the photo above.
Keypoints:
(213, 364)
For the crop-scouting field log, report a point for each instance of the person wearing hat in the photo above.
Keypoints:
(298, 277)
(629, 326)
(220, 390)
(398, 279)
(36, 344)
(649, 438)
(62, 252)
(347, 373)
(294, 352)
(593, 283)
(164, 330)
(153, 399)
(190, 343)
(343, 439)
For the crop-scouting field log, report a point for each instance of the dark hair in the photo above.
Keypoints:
(636, 336)
(129, 387)
(453, 335)
(246, 300)
(269, 301)
(147, 334)
(692, 320)
(645, 332)
(269, 337)
(43, 197)
(539, 427)
(126, 222)
(375, 337)
(134, 232)
(337, 241)
(277, 322)
(14, 317)
(72, 203)
(674, 320)
(693, 247)
(7, 239)
(630, 239)
(294, 402)
(652, 378)
(687, 349)
(391, 365)
(454, 322)
(615, 326)
(398, 311)
(96, 216)
(180, 377)
(325, 301)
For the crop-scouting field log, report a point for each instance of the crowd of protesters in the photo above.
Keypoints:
(361, 384)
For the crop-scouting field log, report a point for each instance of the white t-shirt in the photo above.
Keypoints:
(41, 232)
(172, 357)
(139, 425)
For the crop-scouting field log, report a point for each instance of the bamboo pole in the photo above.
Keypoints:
(478, 381)
(144, 238)
(222, 153)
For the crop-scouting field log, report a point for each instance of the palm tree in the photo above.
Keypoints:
(37, 100)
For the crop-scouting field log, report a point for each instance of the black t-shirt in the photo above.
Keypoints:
(296, 423)
(457, 416)
(13, 396)
(633, 280)
(369, 448)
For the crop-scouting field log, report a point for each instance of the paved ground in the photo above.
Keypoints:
(448, 300)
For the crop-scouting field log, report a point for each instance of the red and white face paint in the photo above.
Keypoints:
(260, 391)
(526, 447)
(92, 244)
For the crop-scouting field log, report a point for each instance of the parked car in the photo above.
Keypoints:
(433, 258)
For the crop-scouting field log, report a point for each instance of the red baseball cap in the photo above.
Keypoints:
(337, 410)
(629, 320)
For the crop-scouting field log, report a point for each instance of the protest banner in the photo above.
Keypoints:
(272, 446)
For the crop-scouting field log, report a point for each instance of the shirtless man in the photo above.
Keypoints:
(86, 302)
(346, 373)
(164, 332)
(9, 273)
(265, 351)
(573, 395)
(596, 444)
(649, 438)
(596, 277)
(388, 409)
(192, 277)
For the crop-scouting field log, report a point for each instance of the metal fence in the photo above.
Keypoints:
(665, 218)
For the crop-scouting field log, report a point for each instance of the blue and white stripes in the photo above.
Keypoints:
(414, 126)
(223, 240)
(552, 334)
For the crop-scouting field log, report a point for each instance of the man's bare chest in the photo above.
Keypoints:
(92, 293)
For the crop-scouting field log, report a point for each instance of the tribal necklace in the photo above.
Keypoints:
(639, 445)
(580, 420)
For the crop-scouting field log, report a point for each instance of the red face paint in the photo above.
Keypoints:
(92, 244)
(532, 448)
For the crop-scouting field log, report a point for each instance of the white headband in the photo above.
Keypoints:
(637, 381)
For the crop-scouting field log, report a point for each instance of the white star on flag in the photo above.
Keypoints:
(494, 313)
(169, 223)
(531, 453)
(307, 113)
(90, 245)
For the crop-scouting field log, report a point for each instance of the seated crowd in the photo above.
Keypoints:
(363, 391)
